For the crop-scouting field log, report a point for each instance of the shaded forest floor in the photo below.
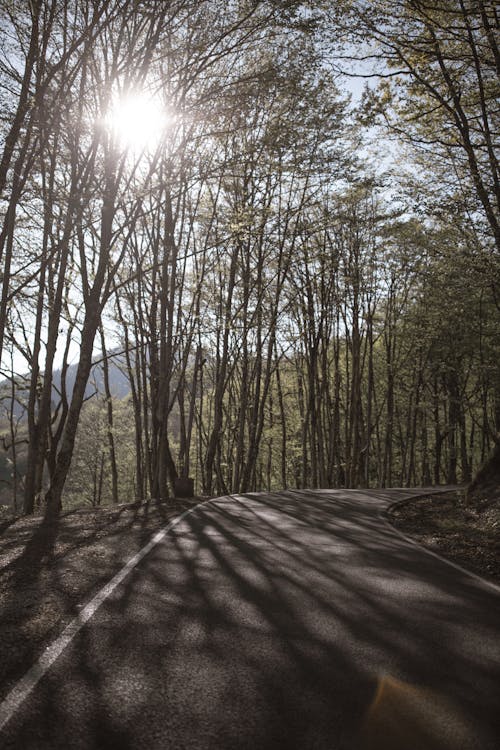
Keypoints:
(48, 570)
(468, 533)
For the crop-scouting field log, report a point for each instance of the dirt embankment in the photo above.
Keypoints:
(464, 531)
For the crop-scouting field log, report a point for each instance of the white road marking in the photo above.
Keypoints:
(23, 688)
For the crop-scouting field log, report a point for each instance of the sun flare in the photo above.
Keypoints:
(137, 121)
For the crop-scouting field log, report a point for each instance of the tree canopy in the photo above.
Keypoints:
(205, 272)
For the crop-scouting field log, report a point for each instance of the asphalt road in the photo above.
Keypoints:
(287, 620)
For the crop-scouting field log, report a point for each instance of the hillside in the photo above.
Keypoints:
(464, 531)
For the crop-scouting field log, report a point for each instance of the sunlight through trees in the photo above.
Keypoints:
(207, 269)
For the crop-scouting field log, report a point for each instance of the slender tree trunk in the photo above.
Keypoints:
(110, 425)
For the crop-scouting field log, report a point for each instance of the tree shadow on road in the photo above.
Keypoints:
(282, 621)
(50, 567)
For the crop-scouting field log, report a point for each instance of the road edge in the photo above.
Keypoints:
(383, 516)
(23, 687)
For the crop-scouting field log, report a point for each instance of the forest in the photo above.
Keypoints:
(253, 243)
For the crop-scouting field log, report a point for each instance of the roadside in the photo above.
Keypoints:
(464, 532)
(47, 571)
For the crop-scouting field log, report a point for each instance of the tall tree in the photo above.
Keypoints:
(440, 65)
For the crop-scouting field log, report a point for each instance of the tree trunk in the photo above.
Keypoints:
(110, 426)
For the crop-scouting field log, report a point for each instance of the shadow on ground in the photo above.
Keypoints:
(48, 568)
(291, 621)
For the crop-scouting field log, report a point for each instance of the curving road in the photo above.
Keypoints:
(287, 620)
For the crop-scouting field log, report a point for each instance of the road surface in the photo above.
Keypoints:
(294, 620)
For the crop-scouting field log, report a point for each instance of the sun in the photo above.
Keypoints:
(137, 121)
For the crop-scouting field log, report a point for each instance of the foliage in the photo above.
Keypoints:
(278, 311)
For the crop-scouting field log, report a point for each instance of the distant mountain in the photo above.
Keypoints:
(118, 382)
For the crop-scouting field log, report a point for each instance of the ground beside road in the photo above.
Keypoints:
(464, 532)
(48, 570)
